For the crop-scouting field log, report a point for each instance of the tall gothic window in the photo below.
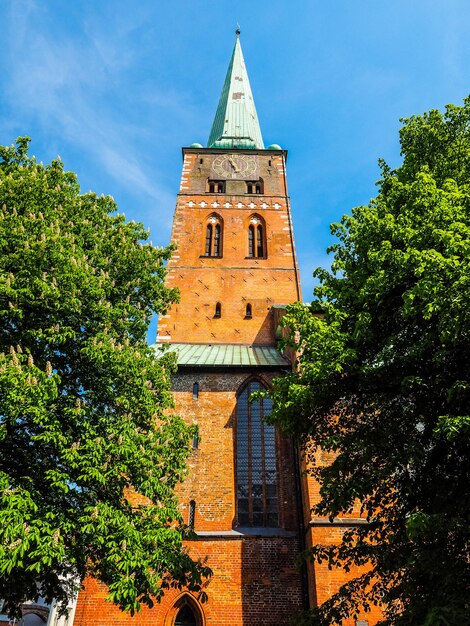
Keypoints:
(256, 461)
(256, 237)
(214, 234)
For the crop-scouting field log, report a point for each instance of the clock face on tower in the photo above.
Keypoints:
(235, 165)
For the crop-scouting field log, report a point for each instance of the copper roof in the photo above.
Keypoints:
(236, 121)
(224, 355)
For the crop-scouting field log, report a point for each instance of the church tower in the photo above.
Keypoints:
(235, 255)
(235, 267)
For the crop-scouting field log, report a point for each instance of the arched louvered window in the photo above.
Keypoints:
(186, 617)
(254, 186)
(215, 186)
(257, 237)
(255, 461)
(214, 236)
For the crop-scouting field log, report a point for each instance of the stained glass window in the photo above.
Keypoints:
(256, 461)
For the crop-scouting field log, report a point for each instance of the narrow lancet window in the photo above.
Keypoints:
(251, 240)
(192, 513)
(217, 240)
(248, 311)
(259, 241)
(218, 310)
(214, 236)
(196, 391)
(208, 239)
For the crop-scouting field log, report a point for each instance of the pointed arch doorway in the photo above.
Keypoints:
(185, 612)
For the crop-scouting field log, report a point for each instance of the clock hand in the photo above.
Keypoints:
(234, 165)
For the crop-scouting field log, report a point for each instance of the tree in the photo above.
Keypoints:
(383, 383)
(85, 408)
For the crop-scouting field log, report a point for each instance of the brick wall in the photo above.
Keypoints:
(255, 583)
(233, 279)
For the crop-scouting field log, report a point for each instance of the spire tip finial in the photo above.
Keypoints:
(238, 31)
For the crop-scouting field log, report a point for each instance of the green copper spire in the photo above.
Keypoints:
(236, 122)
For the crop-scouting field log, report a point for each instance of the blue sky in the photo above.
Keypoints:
(117, 88)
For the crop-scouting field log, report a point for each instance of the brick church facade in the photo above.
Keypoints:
(246, 495)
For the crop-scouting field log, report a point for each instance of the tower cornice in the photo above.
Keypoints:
(264, 151)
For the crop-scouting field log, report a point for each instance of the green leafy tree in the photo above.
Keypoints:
(383, 383)
(85, 408)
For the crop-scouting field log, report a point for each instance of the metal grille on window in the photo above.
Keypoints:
(256, 461)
